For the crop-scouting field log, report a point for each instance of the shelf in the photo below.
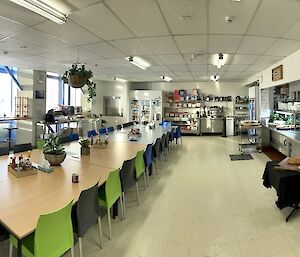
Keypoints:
(182, 107)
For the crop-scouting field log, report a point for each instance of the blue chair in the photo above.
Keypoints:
(102, 131)
(110, 129)
(178, 134)
(91, 133)
(148, 159)
(172, 136)
(74, 137)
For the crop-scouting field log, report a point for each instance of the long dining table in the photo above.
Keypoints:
(23, 200)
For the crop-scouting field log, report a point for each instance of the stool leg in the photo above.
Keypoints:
(100, 233)
(80, 246)
(11, 249)
(109, 223)
(137, 192)
(145, 182)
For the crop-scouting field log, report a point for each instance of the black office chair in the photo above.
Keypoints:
(163, 146)
(157, 152)
(119, 127)
(86, 213)
(128, 179)
(4, 151)
(167, 143)
(22, 148)
(4, 235)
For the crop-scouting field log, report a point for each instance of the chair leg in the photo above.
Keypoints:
(11, 249)
(147, 176)
(109, 223)
(72, 252)
(100, 233)
(121, 207)
(156, 166)
(80, 246)
(137, 192)
(145, 182)
(124, 204)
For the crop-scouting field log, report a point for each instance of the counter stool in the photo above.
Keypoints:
(10, 129)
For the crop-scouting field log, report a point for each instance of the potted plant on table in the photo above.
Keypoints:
(85, 146)
(79, 76)
(54, 151)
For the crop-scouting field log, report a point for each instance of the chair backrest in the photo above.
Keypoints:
(110, 129)
(3, 234)
(163, 140)
(74, 137)
(87, 210)
(119, 127)
(63, 140)
(177, 132)
(127, 174)
(113, 189)
(91, 133)
(125, 125)
(172, 135)
(102, 131)
(139, 163)
(148, 156)
(157, 147)
(167, 139)
(54, 233)
(4, 151)
(22, 148)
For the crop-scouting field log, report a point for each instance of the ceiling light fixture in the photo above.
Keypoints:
(166, 78)
(220, 61)
(120, 80)
(214, 78)
(139, 62)
(43, 10)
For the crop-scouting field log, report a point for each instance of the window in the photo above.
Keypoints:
(8, 94)
(53, 92)
(75, 96)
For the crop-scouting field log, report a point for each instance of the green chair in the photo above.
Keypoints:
(109, 193)
(140, 166)
(52, 238)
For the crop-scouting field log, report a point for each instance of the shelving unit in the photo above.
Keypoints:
(250, 136)
(145, 110)
(241, 111)
(135, 110)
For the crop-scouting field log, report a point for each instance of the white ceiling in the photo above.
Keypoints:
(166, 33)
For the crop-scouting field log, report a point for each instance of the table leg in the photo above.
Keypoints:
(9, 138)
(19, 254)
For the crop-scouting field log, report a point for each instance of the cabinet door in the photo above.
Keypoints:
(295, 148)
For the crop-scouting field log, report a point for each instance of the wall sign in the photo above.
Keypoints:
(277, 73)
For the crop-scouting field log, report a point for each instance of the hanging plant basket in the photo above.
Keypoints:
(76, 81)
(78, 77)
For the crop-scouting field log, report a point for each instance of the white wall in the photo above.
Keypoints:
(291, 72)
(104, 88)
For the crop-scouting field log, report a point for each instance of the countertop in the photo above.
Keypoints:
(14, 118)
(292, 134)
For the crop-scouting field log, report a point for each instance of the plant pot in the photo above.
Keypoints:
(76, 81)
(85, 150)
(55, 159)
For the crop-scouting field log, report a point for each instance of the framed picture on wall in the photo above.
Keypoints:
(39, 94)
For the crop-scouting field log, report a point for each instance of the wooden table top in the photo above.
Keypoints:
(23, 200)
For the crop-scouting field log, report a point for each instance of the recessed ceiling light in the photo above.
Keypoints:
(166, 78)
(215, 77)
(236, 0)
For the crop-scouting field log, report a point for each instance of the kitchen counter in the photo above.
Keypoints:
(291, 134)
(14, 118)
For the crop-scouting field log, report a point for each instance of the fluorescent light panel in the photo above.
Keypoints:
(43, 10)
(120, 80)
(214, 78)
(220, 61)
(166, 78)
(139, 62)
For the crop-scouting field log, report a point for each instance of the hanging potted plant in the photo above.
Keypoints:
(79, 76)
(54, 151)
(85, 146)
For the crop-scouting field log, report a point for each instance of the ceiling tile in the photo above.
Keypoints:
(275, 17)
(36, 37)
(8, 27)
(255, 45)
(144, 21)
(225, 44)
(160, 45)
(192, 43)
(241, 12)
(236, 67)
(283, 47)
(99, 20)
(172, 59)
(131, 47)
(267, 60)
(159, 68)
(243, 59)
(185, 17)
(196, 59)
(257, 68)
(104, 49)
(294, 32)
(197, 67)
(69, 31)
(178, 67)
(19, 14)
(13, 45)
(76, 4)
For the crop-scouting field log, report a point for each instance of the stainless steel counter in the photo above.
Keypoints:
(211, 125)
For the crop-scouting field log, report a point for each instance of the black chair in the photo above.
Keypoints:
(157, 152)
(86, 213)
(4, 235)
(4, 151)
(128, 179)
(119, 127)
(163, 146)
(167, 144)
(22, 148)
(126, 125)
